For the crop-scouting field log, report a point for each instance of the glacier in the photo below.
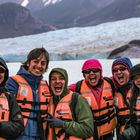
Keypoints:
(74, 43)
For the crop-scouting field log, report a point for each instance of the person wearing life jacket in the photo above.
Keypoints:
(121, 77)
(135, 102)
(70, 115)
(99, 92)
(129, 111)
(11, 120)
(32, 93)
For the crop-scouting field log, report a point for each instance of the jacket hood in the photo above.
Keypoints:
(3, 63)
(32, 79)
(64, 73)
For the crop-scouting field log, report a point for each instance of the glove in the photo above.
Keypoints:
(55, 122)
(129, 133)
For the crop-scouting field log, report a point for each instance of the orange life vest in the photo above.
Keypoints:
(123, 108)
(25, 98)
(4, 109)
(104, 113)
(63, 111)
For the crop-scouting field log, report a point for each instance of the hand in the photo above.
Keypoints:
(55, 122)
(129, 133)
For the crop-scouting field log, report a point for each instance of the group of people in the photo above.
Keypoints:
(94, 108)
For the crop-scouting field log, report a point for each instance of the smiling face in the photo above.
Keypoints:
(57, 83)
(92, 76)
(137, 81)
(121, 74)
(2, 74)
(37, 66)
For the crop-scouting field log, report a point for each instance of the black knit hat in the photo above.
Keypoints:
(135, 70)
(3, 63)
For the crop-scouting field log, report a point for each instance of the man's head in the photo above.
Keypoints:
(4, 72)
(37, 61)
(92, 71)
(121, 70)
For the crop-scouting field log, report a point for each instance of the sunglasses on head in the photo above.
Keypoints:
(120, 69)
(2, 70)
(91, 70)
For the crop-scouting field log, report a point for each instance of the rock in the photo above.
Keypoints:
(131, 50)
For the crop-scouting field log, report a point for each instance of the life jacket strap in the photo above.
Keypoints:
(102, 122)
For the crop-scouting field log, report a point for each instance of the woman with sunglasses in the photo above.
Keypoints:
(98, 91)
(11, 120)
(121, 76)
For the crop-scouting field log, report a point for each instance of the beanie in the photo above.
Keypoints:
(3, 63)
(123, 61)
(135, 71)
(91, 64)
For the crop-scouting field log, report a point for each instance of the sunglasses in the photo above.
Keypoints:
(88, 71)
(120, 69)
(2, 70)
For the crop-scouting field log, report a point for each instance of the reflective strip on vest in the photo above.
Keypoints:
(4, 108)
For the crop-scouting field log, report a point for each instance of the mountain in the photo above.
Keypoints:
(68, 12)
(117, 10)
(12, 1)
(32, 5)
(81, 13)
(16, 20)
(76, 43)
(47, 15)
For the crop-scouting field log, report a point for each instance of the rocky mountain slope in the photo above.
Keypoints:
(81, 13)
(67, 13)
(16, 20)
(45, 15)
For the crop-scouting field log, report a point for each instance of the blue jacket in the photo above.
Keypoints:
(31, 131)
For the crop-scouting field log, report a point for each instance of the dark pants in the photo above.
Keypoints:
(107, 137)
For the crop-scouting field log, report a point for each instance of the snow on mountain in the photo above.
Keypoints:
(74, 43)
(45, 2)
(24, 3)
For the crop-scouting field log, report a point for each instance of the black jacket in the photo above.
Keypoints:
(12, 128)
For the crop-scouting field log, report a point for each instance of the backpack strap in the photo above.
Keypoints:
(111, 83)
(73, 104)
(78, 86)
